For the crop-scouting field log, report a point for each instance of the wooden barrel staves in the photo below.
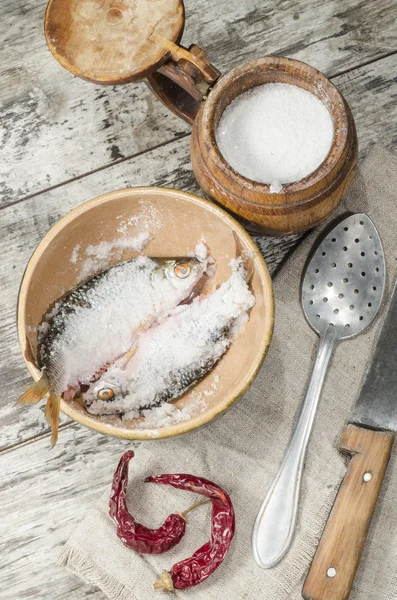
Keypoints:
(300, 205)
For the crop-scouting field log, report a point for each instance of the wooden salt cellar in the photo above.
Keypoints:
(110, 42)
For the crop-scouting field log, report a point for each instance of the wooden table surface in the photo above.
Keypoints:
(64, 141)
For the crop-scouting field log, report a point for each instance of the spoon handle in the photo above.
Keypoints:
(275, 524)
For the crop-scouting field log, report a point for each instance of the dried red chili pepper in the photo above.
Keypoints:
(205, 560)
(134, 535)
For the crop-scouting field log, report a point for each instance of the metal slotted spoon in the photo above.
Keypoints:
(342, 291)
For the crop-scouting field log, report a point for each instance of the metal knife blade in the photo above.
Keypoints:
(376, 406)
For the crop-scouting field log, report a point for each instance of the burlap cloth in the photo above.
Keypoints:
(241, 451)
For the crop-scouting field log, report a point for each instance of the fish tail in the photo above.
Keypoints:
(245, 257)
(36, 392)
(52, 410)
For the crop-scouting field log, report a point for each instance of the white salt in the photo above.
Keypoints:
(214, 384)
(149, 218)
(99, 255)
(168, 414)
(190, 339)
(201, 250)
(137, 230)
(275, 187)
(126, 297)
(75, 254)
(275, 133)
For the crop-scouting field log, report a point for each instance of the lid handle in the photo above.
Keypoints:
(184, 81)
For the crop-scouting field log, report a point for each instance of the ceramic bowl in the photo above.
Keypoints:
(178, 221)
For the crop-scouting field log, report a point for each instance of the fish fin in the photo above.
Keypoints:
(52, 410)
(128, 355)
(246, 257)
(36, 392)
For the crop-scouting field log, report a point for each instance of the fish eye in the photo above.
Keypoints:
(105, 394)
(182, 270)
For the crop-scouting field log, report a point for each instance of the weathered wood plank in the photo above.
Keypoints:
(44, 495)
(372, 94)
(55, 127)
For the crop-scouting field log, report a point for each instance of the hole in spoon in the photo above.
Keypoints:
(329, 284)
(345, 248)
(336, 311)
(362, 273)
(369, 304)
(351, 307)
(333, 265)
(346, 228)
(349, 265)
(356, 292)
(340, 296)
(345, 280)
(362, 253)
(347, 325)
(356, 240)
(325, 299)
(361, 318)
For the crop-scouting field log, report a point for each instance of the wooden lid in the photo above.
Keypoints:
(109, 41)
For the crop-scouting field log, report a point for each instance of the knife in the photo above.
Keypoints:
(368, 438)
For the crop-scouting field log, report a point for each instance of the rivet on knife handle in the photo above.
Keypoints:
(335, 563)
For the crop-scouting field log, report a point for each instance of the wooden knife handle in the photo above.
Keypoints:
(335, 563)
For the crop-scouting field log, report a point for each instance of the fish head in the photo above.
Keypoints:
(104, 396)
(184, 273)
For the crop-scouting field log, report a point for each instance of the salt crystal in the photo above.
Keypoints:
(275, 133)
(103, 250)
(75, 254)
(168, 414)
(215, 382)
(99, 255)
(182, 347)
(150, 214)
(201, 251)
(275, 187)
(145, 222)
